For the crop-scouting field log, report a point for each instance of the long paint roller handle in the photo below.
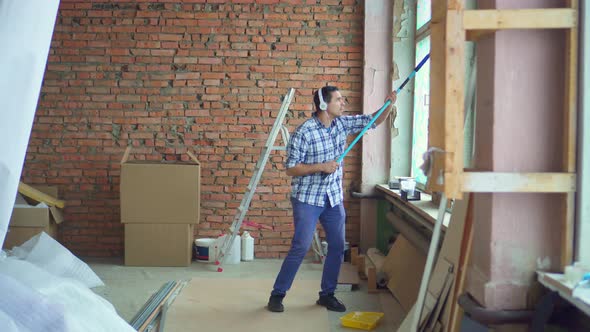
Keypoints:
(413, 73)
(383, 108)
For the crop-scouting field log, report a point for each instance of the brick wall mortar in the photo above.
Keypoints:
(207, 75)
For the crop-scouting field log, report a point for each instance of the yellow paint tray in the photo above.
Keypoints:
(361, 320)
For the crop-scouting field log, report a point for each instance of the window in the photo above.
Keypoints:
(418, 91)
(421, 91)
(420, 118)
(422, 13)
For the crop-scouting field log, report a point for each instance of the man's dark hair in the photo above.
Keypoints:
(326, 94)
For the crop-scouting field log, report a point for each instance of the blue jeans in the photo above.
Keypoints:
(305, 218)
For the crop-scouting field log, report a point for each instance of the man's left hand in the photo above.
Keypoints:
(392, 96)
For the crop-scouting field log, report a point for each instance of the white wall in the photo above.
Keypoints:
(26, 27)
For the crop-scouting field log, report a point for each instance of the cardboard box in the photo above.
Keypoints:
(158, 244)
(27, 220)
(160, 193)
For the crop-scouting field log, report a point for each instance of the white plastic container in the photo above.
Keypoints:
(247, 247)
(233, 256)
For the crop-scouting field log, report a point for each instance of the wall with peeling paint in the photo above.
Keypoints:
(519, 120)
(376, 86)
(404, 31)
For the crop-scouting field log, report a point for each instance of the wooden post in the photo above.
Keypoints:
(570, 119)
(436, 111)
(454, 99)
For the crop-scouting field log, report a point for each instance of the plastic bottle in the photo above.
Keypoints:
(247, 247)
(233, 255)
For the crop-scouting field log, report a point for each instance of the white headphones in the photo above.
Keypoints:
(323, 105)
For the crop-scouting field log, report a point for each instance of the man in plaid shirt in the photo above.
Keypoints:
(317, 191)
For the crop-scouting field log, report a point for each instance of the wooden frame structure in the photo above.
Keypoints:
(451, 26)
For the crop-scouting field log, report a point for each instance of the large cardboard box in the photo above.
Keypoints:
(28, 220)
(158, 244)
(160, 193)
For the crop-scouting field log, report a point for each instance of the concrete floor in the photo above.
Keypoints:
(128, 288)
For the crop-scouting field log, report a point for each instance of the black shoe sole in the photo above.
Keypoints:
(329, 308)
(275, 309)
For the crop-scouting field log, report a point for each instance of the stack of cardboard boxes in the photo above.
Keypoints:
(29, 219)
(160, 204)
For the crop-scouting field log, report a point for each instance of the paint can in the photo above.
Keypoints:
(204, 249)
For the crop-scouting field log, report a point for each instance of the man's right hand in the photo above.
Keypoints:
(330, 167)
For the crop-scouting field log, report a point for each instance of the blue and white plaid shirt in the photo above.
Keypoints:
(313, 143)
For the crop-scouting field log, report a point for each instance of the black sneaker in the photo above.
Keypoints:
(331, 303)
(275, 303)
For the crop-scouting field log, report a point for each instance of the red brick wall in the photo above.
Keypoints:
(170, 75)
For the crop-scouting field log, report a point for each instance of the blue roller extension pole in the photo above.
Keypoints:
(383, 108)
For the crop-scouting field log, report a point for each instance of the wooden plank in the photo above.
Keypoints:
(354, 255)
(461, 271)
(441, 303)
(348, 275)
(493, 19)
(39, 196)
(158, 308)
(361, 260)
(451, 249)
(404, 266)
(371, 273)
(377, 258)
(519, 182)
(454, 101)
(570, 136)
(436, 109)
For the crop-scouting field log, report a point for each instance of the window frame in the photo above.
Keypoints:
(420, 33)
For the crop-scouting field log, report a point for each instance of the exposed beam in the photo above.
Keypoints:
(454, 103)
(492, 19)
(570, 136)
(519, 182)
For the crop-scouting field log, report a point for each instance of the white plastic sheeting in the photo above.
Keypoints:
(26, 28)
(48, 254)
(17, 300)
(40, 301)
(44, 287)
